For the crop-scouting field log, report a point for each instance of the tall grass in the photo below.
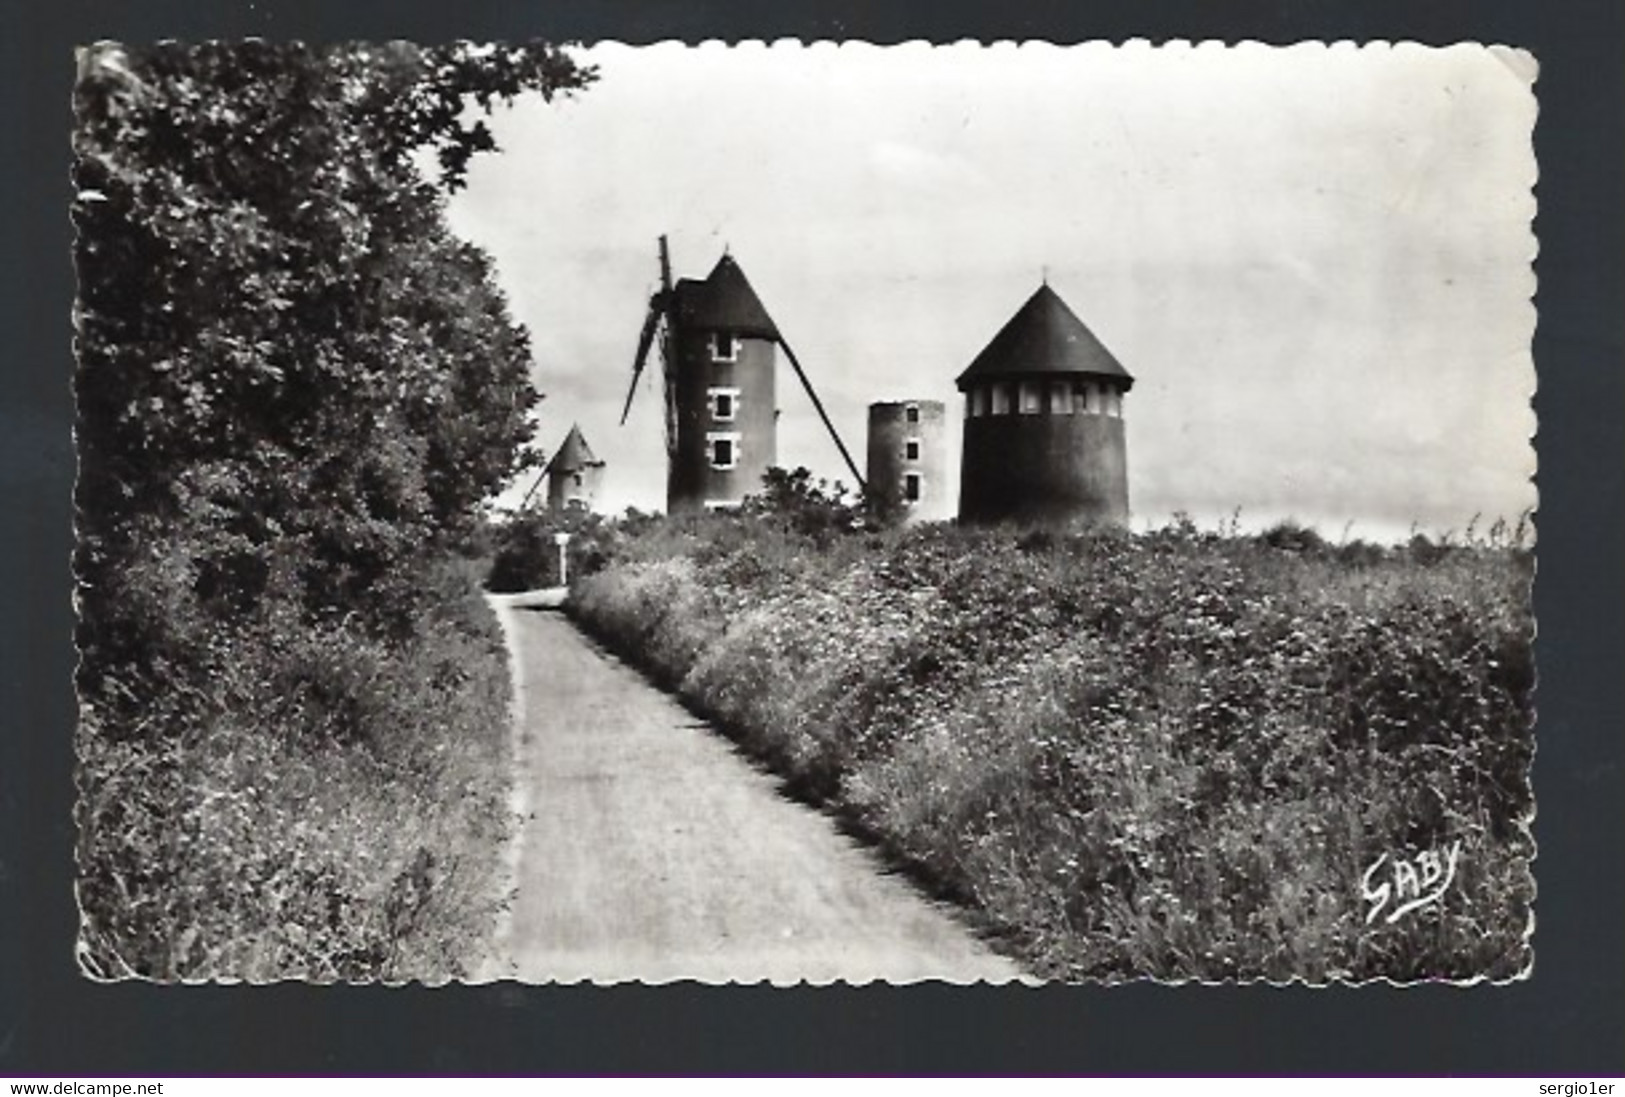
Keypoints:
(1171, 755)
(304, 801)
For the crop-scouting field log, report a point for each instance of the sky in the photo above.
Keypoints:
(1314, 261)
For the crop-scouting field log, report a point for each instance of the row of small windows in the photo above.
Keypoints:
(1036, 397)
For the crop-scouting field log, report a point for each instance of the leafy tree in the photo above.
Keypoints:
(292, 378)
(815, 508)
(295, 390)
(526, 556)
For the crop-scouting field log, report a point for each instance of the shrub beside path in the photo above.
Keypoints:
(650, 850)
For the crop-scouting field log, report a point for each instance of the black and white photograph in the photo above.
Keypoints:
(788, 513)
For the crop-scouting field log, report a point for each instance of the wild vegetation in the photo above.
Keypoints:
(295, 389)
(1181, 754)
(525, 555)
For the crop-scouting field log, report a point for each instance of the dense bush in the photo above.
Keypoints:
(815, 508)
(295, 389)
(525, 555)
(1170, 755)
(324, 806)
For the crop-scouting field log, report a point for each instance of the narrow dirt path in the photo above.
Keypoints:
(651, 850)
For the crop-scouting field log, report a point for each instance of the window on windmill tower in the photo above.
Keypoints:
(1001, 399)
(1091, 399)
(911, 488)
(1060, 397)
(911, 449)
(911, 414)
(724, 450)
(724, 347)
(724, 403)
(976, 403)
(1032, 398)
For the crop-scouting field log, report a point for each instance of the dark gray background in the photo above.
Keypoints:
(1568, 1018)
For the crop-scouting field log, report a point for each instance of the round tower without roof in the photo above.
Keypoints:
(726, 350)
(1044, 432)
(908, 462)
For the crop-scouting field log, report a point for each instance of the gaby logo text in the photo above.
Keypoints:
(1399, 886)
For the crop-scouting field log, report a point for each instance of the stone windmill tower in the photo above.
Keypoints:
(1044, 433)
(719, 354)
(574, 475)
(908, 462)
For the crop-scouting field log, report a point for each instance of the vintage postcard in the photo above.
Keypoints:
(805, 513)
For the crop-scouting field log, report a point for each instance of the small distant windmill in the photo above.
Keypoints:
(717, 352)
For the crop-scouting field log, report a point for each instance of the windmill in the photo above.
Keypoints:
(718, 351)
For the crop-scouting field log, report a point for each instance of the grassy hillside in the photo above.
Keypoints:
(1172, 755)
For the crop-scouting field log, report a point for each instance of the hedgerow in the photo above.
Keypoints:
(295, 390)
(319, 805)
(1172, 755)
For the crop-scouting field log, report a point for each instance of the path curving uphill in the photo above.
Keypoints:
(650, 850)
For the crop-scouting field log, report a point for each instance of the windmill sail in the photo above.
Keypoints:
(657, 324)
(668, 359)
(645, 339)
(818, 405)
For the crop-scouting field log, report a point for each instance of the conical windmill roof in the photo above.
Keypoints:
(573, 454)
(1044, 337)
(724, 301)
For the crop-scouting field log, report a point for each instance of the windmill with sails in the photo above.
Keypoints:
(718, 357)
